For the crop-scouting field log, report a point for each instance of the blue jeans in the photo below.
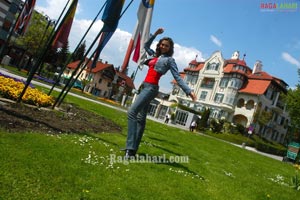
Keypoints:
(137, 115)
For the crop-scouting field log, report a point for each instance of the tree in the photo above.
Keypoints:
(292, 100)
(36, 36)
(78, 55)
(63, 55)
(203, 123)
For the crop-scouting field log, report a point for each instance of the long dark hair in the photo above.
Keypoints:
(171, 50)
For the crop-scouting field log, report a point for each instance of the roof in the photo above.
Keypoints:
(256, 83)
(255, 86)
(230, 64)
(199, 66)
(99, 65)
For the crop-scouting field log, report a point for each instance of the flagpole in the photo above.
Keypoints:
(68, 85)
(41, 59)
(77, 47)
(55, 25)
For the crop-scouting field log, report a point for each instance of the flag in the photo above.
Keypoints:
(24, 17)
(140, 35)
(62, 35)
(110, 18)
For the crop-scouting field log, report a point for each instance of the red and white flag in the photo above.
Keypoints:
(24, 17)
(140, 34)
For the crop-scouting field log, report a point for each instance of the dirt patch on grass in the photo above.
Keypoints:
(70, 119)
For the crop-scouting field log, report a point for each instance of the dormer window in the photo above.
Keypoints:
(213, 66)
(239, 67)
(192, 66)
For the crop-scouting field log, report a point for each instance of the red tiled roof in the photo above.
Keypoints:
(257, 83)
(261, 75)
(237, 61)
(194, 62)
(229, 67)
(255, 86)
(199, 65)
(99, 65)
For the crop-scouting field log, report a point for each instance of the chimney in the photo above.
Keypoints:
(235, 55)
(257, 67)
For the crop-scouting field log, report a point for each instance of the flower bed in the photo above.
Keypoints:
(11, 88)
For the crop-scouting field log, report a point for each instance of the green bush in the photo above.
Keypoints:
(270, 148)
(216, 125)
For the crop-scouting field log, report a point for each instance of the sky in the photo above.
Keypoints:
(199, 28)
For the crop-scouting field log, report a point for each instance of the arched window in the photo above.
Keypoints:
(250, 105)
(240, 103)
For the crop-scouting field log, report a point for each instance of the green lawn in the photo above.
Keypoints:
(40, 166)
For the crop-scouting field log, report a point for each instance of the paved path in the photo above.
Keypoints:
(4, 71)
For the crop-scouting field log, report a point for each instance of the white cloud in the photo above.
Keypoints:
(287, 57)
(116, 48)
(215, 40)
(53, 8)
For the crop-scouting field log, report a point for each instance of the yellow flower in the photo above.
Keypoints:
(11, 89)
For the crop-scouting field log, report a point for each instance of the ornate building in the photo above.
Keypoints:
(235, 92)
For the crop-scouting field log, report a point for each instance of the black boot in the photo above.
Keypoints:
(129, 154)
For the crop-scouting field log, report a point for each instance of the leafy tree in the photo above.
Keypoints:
(36, 36)
(292, 100)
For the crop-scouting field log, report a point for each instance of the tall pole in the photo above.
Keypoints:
(41, 58)
(70, 58)
(70, 83)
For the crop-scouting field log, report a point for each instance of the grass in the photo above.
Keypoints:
(41, 166)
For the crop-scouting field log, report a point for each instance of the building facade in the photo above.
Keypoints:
(103, 80)
(8, 12)
(235, 92)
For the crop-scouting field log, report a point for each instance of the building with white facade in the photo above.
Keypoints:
(237, 93)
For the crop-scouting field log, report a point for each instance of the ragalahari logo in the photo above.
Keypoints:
(278, 7)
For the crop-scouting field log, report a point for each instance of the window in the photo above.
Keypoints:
(229, 99)
(240, 103)
(100, 80)
(219, 98)
(203, 95)
(212, 66)
(269, 93)
(192, 79)
(208, 83)
(235, 83)
(224, 82)
(239, 67)
(250, 105)
(181, 117)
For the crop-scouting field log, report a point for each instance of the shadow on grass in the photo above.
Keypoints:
(164, 141)
(163, 160)
(98, 138)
